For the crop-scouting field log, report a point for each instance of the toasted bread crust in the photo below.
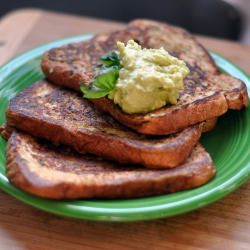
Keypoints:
(235, 91)
(46, 171)
(64, 117)
(5, 131)
(207, 92)
(209, 125)
(155, 123)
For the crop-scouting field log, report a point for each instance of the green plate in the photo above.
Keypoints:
(228, 144)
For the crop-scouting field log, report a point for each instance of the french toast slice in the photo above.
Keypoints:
(53, 172)
(207, 93)
(64, 117)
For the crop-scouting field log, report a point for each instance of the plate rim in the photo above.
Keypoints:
(117, 214)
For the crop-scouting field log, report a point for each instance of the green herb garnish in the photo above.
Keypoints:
(111, 58)
(106, 80)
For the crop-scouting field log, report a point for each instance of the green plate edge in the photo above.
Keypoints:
(133, 209)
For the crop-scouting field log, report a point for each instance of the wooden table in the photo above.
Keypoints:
(222, 225)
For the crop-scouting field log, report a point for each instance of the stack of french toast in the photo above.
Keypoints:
(64, 146)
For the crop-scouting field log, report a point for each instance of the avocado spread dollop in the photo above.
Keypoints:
(148, 79)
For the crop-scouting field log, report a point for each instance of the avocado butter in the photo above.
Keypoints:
(148, 78)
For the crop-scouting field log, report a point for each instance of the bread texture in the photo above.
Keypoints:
(207, 93)
(42, 169)
(64, 117)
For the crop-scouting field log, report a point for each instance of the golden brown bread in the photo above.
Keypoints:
(64, 117)
(47, 171)
(207, 94)
(209, 124)
(5, 131)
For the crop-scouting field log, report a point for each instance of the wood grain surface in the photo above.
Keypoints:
(222, 225)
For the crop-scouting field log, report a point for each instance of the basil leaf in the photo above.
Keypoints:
(92, 94)
(107, 80)
(111, 58)
(102, 85)
(105, 69)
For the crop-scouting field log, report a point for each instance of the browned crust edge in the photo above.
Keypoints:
(237, 98)
(169, 153)
(209, 108)
(5, 131)
(184, 177)
(60, 77)
(209, 125)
